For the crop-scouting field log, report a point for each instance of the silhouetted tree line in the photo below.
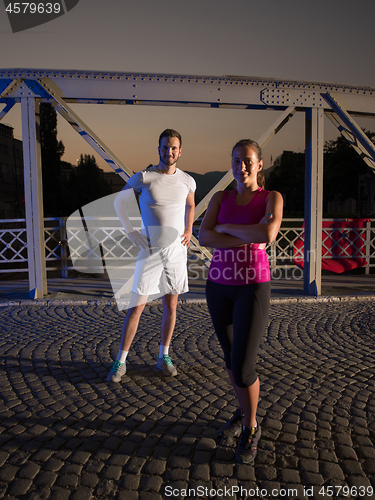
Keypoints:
(66, 187)
(345, 175)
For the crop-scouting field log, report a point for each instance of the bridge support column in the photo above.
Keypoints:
(313, 201)
(33, 197)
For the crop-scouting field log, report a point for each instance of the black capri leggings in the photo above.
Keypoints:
(246, 307)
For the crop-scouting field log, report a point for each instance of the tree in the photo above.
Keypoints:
(288, 177)
(345, 175)
(51, 150)
(86, 184)
(343, 170)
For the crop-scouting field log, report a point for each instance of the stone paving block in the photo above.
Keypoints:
(328, 456)
(220, 469)
(151, 483)
(20, 487)
(178, 475)
(266, 472)
(202, 457)
(29, 471)
(3, 457)
(359, 482)
(308, 465)
(180, 462)
(67, 481)
(80, 457)
(366, 452)
(89, 479)
(71, 469)
(206, 444)
(290, 476)
(135, 465)
(8, 473)
(145, 495)
(284, 462)
(332, 471)
(46, 479)
(106, 488)
(155, 466)
(112, 472)
(82, 494)
(245, 472)
(128, 495)
(60, 494)
(40, 494)
(130, 482)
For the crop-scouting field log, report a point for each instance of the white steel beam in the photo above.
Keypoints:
(195, 90)
(84, 131)
(350, 130)
(33, 197)
(11, 88)
(313, 201)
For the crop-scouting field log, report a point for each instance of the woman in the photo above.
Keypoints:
(238, 224)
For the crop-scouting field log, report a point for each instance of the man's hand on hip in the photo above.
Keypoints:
(186, 237)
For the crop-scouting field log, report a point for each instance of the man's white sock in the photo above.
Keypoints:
(122, 356)
(163, 350)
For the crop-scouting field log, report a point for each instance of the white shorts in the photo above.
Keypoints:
(161, 271)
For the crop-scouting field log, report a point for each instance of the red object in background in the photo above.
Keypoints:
(344, 239)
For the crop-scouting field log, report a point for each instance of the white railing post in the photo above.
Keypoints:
(63, 244)
(368, 246)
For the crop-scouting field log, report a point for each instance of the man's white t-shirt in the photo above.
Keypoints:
(162, 201)
(162, 267)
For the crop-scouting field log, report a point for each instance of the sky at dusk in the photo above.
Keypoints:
(319, 41)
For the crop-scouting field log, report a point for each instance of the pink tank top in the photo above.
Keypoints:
(248, 263)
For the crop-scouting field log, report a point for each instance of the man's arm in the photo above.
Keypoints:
(189, 219)
(127, 195)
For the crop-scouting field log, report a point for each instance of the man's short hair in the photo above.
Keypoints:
(169, 132)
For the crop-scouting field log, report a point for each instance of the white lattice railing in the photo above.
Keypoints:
(106, 244)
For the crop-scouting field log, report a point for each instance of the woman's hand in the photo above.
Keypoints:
(266, 219)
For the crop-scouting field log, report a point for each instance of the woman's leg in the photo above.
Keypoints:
(249, 320)
(221, 310)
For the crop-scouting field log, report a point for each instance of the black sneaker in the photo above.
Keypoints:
(248, 445)
(233, 427)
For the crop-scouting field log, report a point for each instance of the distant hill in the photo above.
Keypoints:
(205, 182)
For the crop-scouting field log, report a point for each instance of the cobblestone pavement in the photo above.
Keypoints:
(66, 434)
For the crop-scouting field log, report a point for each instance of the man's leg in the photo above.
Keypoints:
(167, 327)
(129, 330)
(168, 321)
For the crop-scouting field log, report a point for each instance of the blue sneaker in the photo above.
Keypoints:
(165, 364)
(117, 371)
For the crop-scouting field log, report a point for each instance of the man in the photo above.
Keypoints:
(166, 200)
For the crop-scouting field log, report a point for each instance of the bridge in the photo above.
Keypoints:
(341, 104)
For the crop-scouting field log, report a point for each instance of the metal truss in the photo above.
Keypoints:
(340, 103)
(350, 130)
